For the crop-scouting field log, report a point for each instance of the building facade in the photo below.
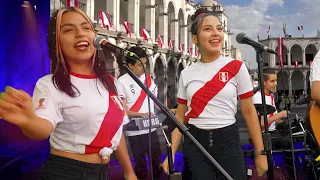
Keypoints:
(297, 53)
(143, 23)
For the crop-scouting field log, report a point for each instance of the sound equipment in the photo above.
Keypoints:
(313, 121)
(297, 127)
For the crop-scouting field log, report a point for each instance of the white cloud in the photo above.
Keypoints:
(253, 19)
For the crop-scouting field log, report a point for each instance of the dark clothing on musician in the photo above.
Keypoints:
(140, 148)
(61, 168)
(224, 146)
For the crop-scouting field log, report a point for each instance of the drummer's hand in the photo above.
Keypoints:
(143, 115)
(278, 121)
(173, 110)
(284, 114)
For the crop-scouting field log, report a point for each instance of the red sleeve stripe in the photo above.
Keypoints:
(182, 101)
(246, 95)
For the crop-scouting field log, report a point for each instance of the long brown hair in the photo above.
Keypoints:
(60, 69)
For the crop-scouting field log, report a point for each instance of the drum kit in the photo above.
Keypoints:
(303, 132)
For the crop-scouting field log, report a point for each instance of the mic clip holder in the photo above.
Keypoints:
(182, 128)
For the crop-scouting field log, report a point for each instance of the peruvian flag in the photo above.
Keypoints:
(104, 21)
(159, 40)
(170, 44)
(269, 29)
(127, 27)
(72, 3)
(190, 51)
(280, 50)
(300, 28)
(145, 34)
(197, 53)
(180, 47)
(296, 64)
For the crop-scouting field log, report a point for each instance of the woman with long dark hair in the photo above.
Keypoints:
(77, 105)
(207, 103)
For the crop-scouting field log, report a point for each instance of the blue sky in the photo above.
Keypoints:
(254, 16)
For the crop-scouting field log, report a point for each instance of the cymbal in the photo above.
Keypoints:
(270, 109)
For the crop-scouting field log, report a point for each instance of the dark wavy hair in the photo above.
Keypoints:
(60, 69)
(197, 19)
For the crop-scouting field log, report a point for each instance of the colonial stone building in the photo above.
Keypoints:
(298, 54)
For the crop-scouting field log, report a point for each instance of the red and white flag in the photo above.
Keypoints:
(159, 40)
(190, 51)
(280, 50)
(104, 21)
(300, 28)
(72, 3)
(269, 30)
(310, 62)
(181, 47)
(145, 34)
(127, 27)
(170, 44)
(296, 64)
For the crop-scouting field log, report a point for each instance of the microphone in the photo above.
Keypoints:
(101, 43)
(244, 39)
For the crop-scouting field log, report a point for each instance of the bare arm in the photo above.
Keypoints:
(273, 118)
(37, 128)
(176, 134)
(123, 157)
(250, 115)
(315, 91)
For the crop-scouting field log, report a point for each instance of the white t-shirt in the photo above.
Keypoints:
(315, 69)
(269, 101)
(136, 98)
(89, 123)
(211, 90)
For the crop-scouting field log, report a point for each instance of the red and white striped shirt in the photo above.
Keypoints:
(88, 123)
(211, 90)
(136, 98)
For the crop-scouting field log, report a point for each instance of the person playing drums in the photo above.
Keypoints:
(278, 142)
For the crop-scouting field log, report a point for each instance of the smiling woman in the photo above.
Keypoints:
(207, 103)
(83, 131)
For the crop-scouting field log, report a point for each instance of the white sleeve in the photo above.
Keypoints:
(120, 89)
(182, 91)
(122, 96)
(154, 88)
(46, 104)
(244, 83)
(315, 69)
(256, 98)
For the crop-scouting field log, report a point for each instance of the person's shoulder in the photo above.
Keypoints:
(124, 77)
(47, 80)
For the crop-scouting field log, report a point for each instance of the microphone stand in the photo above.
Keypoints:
(182, 128)
(266, 135)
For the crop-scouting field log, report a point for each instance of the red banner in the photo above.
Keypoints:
(280, 51)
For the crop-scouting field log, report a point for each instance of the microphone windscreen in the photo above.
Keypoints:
(239, 37)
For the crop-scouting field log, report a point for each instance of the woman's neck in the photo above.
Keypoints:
(208, 58)
(84, 69)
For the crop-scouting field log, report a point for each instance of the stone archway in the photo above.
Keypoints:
(297, 81)
(171, 82)
(283, 85)
(160, 78)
